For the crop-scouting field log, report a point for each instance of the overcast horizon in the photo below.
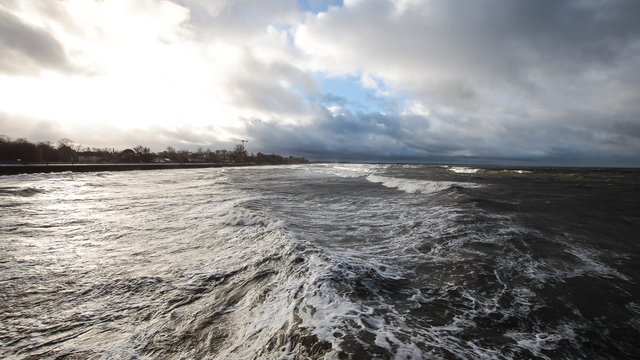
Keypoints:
(433, 81)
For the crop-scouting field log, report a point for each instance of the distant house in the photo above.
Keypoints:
(89, 157)
(128, 156)
(195, 157)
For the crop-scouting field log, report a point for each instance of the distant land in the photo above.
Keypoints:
(22, 156)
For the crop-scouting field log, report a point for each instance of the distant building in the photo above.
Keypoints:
(89, 157)
(195, 157)
(128, 156)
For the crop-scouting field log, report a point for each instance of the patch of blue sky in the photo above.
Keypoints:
(318, 6)
(349, 93)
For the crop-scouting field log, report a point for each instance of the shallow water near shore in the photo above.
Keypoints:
(332, 261)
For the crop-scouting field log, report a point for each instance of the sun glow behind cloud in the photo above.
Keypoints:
(399, 78)
(135, 65)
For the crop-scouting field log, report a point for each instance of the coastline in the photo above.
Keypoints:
(16, 169)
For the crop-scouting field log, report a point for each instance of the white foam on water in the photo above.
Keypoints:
(286, 285)
(344, 170)
(324, 310)
(537, 342)
(463, 170)
(331, 316)
(417, 186)
(247, 218)
(245, 244)
(518, 171)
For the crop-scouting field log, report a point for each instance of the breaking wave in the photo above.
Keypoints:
(313, 261)
(417, 186)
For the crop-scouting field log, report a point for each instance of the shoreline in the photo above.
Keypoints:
(16, 169)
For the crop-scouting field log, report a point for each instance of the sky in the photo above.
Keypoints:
(543, 82)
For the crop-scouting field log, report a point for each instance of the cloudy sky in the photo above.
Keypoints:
(492, 81)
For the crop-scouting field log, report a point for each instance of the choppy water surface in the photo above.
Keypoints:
(321, 261)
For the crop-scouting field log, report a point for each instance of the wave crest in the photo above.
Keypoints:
(412, 186)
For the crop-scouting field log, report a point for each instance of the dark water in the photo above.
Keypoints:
(321, 261)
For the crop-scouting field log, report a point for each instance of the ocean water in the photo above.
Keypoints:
(322, 261)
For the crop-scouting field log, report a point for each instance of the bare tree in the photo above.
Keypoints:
(239, 153)
(66, 142)
(209, 155)
(142, 150)
(183, 155)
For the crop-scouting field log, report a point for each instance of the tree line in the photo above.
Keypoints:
(66, 150)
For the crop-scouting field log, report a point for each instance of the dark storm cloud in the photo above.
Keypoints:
(500, 78)
(474, 45)
(630, 130)
(341, 133)
(25, 49)
(330, 99)
(360, 137)
(388, 104)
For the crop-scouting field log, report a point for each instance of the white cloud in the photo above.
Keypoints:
(141, 65)
(368, 82)
(416, 108)
(496, 79)
(491, 69)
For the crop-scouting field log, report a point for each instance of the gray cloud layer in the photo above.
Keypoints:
(498, 79)
(524, 78)
(25, 49)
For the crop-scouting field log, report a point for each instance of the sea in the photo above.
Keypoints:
(322, 261)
